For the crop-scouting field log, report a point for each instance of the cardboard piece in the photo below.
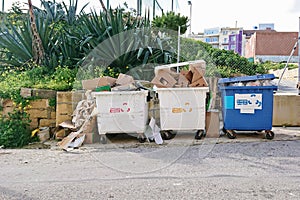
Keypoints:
(60, 134)
(90, 125)
(197, 74)
(44, 134)
(77, 142)
(107, 80)
(90, 84)
(124, 79)
(91, 138)
(163, 79)
(199, 64)
(67, 124)
(198, 79)
(183, 81)
(212, 124)
(188, 75)
(199, 83)
(84, 118)
(65, 143)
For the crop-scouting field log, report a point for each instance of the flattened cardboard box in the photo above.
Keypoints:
(188, 75)
(212, 124)
(198, 78)
(90, 84)
(124, 79)
(183, 81)
(199, 83)
(107, 80)
(163, 79)
(200, 64)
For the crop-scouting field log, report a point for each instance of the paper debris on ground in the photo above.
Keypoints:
(82, 115)
(155, 131)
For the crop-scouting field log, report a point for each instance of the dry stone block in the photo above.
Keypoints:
(52, 114)
(62, 118)
(38, 113)
(26, 92)
(39, 104)
(7, 110)
(64, 108)
(47, 123)
(44, 94)
(34, 124)
(7, 103)
(64, 97)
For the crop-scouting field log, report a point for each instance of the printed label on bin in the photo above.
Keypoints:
(121, 109)
(248, 103)
(186, 108)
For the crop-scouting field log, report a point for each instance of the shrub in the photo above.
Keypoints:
(14, 129)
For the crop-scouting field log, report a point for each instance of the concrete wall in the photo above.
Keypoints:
(286, 110)
(276, 58)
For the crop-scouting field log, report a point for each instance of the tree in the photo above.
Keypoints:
(171, 21)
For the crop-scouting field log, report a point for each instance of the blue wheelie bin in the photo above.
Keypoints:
(247, 104)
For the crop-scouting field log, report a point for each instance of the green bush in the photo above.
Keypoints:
(275, 66)
(14, 130)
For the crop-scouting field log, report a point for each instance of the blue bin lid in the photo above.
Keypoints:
(246, 78)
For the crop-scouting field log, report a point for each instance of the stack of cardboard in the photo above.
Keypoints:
(194, 77)
(123, 82)
(92, 84)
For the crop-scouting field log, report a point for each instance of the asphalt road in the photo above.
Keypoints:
(246, 170)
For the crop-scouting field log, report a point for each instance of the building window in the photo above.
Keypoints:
(232, 47)
(232, 38)
(215, 39)
(225, 32)
(225, 40)
(226, 47)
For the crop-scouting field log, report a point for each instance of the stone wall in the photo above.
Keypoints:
(40, 112)
(66, 103)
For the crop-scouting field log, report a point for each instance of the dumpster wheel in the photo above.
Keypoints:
(141, 138)
(231, 134)
(167, 135)
(103, 139)
(269, 134)
(199, 134)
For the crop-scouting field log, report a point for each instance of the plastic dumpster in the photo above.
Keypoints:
(122, 112)
(246, 107)
(182, 109)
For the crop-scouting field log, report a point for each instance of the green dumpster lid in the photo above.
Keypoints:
(246, 78)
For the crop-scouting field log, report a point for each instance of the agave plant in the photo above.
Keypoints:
(122, 41)
(68, 39)
(53, 23)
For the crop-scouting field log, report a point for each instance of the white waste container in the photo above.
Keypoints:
(183, 109)
(122, 112)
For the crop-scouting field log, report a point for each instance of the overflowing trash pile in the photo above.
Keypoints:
(191, 77)
(256, 80)
(85, 116)
(124, 82)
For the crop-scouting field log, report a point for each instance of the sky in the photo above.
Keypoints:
(218, 13)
